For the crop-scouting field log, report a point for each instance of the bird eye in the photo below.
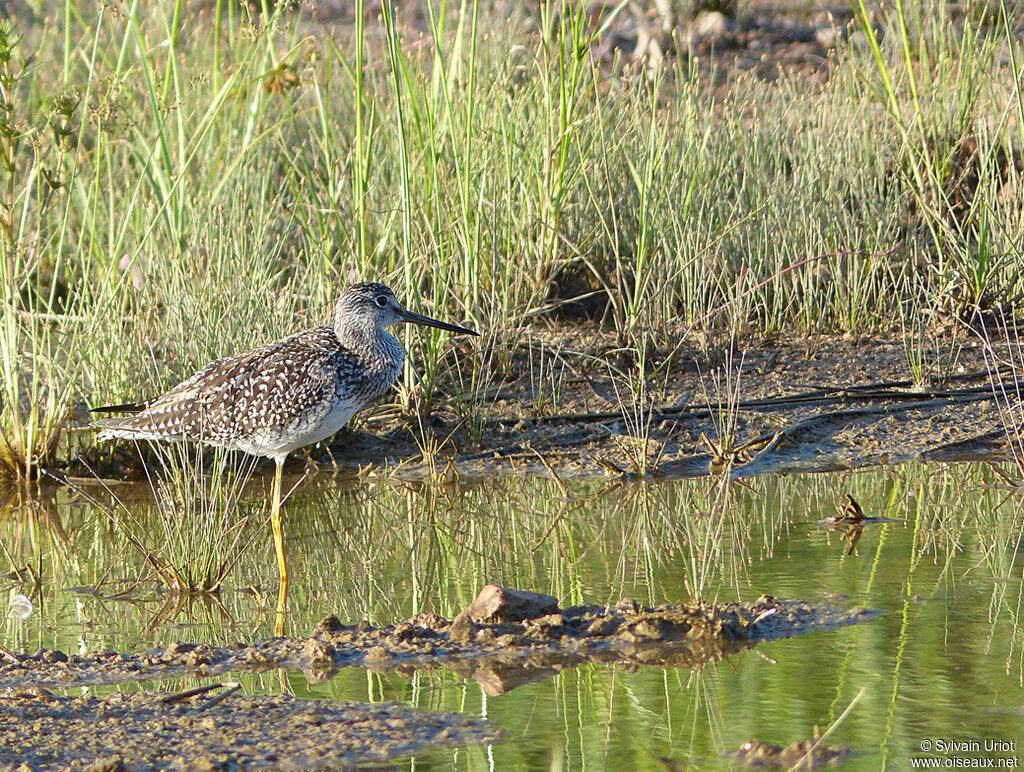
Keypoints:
(382, 301)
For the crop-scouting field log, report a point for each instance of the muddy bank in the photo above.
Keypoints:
(504, 639)
(40, 730)
(824, 404)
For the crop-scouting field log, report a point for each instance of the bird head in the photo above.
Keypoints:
(369, 308)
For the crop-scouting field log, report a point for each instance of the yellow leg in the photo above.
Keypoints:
(282, 564)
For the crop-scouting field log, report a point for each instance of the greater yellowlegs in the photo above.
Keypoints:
(286, 394)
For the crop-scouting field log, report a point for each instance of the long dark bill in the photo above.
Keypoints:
(409, 316)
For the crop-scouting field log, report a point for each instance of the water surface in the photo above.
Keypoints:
(946, 660)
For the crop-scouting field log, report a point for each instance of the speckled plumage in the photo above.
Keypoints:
(293, 392)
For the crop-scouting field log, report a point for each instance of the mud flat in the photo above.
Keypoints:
(830, 404)
(502, 630)
(504, 639)
(40, 730)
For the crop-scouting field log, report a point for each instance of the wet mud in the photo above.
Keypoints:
(164, 731)
(499, 648)
(506, 638)
(830, 405)
(843, 405)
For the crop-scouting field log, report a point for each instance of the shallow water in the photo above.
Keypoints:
(945, 661)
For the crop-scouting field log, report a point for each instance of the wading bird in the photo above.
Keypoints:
(284, 395)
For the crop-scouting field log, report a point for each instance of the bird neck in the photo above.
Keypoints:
(378, 349)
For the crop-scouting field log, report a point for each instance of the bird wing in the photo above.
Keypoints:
(269, 388)
(292, 383)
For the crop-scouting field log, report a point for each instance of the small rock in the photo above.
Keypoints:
(403, 632)
(645, 629)
(318, 651)
(257, 659)
(600, 627)
(546, 624)
(177, 648)
(711, 24)
(462, 629)
(377, 654)
(201, 654)
(202, 765)
(628, 606)
(330, 624)
(109, 764)
(497, 604)
(428, 620)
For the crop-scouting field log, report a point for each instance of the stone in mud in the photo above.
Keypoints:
(405, 632)
(651, 628)
(377, 657)
(106, 764)
(462, 629)
(317, 651)
(628, 634)
(601, 627)
(496, 605)
(177, 648)
(201, 654)
(546, 625)
(257, 660)
(428, 620)
(329, 624)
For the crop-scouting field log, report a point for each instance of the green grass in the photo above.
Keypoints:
(168, 201)
(196, 520)
(203, 523)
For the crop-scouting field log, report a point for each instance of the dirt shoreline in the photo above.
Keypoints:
(839, 403)
(821, 404)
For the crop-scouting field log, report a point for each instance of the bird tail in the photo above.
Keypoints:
(125, 428)
(131, 427)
